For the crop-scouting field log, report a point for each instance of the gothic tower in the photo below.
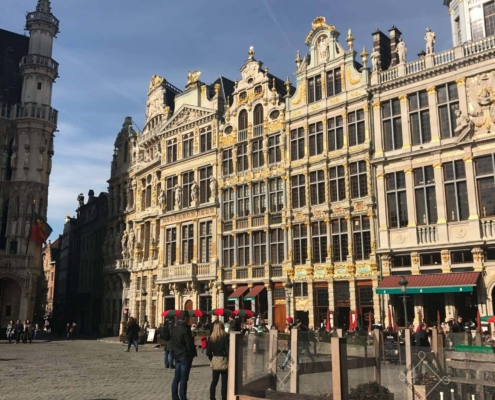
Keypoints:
(26, 132)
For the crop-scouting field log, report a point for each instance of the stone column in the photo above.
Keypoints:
(221, 297)
(178, 237)
(236, 254)
(411, 209)
(325, 135)
(449, 306)
(471, 187)
(382, 211)
(311, 303)
(350, 243)
(461, 91)
(331, 296)
(432, 104)
(309, 242)
(377, 127)
(196, 241)
(406, 140)
(269, 295)
(352, 292)
(345, 134)
(441, 206)
(306, 140)
(376, 301)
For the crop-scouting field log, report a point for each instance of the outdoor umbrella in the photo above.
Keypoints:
(222, 312)
(243, 313)
(389, 327)
(171, 313)
(478, 322)
(488, 318)
(197, 313)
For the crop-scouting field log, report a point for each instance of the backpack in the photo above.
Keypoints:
(165, 333)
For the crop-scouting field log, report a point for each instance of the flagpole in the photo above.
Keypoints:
(28, 239)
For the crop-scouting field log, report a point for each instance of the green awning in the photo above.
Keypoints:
(432, 289)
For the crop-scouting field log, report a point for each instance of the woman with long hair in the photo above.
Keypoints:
(218, 353)
(132, 334)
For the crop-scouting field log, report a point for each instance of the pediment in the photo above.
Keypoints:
(186, 115)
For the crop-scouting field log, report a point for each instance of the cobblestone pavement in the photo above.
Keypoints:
(89, 369)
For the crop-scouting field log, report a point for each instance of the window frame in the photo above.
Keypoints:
(315, 138)
(335, 133)
(451, 105)
(298, 191)
(423, 189)
(319, 240)
(399, 194)
(419, 117)
(317, 187)
(396, 140)
(356, 127)
(358, 180)
(456, 183)
(297, 143)
(482, 176)
(361, 237)
(300, 243)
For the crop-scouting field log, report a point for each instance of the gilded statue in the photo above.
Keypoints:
(193, 77)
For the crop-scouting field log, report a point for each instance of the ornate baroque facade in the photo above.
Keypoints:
(353, 176)
(27, 124)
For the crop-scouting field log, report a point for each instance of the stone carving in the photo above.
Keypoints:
(402, 51)
(375, 59)
(462, 122)
(123, 242)
(131, 238)
(234, 153)
(162, 199)
(13, 229)
(430, 41)
(192, 77)
(266, 143)
(158, 151)
(80, 199)
(26, 159)
(117, 243)
(13, 160)
(213, 186)
(194, 191)
(323, 48)
(40, 161)
(178, 196)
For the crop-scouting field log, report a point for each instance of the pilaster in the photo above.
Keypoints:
(406, 140)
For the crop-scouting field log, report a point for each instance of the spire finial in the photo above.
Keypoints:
(44, 6)
(298, 59)
(251, 52)
(287, 85)
(350, 39)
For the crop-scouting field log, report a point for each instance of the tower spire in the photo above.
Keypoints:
(44, 6)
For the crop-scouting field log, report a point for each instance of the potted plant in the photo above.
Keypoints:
(370, 391)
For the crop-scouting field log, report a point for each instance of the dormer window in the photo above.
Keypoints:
(334, 82)
(250, 81)
(243, 95)
(258, 89)
(314, 89)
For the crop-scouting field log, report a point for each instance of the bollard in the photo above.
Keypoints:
(339, 368)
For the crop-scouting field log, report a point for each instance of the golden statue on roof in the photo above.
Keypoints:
(192, 78)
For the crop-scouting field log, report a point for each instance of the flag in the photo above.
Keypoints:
(40, 230)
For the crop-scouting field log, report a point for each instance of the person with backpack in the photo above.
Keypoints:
(166, 334)
(132, 334)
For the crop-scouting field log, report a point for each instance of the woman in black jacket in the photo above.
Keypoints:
(218, 346)
(132, 334)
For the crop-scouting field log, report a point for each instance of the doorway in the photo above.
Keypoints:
(10, 301)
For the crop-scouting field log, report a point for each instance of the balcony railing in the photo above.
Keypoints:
(253, 273)
(188, 271)
(488, 228)
(275, 218)
(415, 66)
(39, 60)
(427, 234)
(479, 46)
(259, 272)
(258, 130)
(227, 226)
(277, 271)
(227, 274)
(242, 223)
(28, 110)
(241, 273)
(242, 135)
(389, 75)
(259, 220)
(444, 57)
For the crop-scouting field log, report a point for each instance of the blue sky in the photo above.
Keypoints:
(109, 49)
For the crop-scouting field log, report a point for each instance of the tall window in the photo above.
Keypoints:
(242, 158)
(259, 198)
(456, 195)
(316, 139)
(297, 144)
(300, 244)
(362, 237)
(147, 239)
(448, 104)
(276, 194)
(243, 249)
(205, 241)
(204, 184)
(419, 117)
(337, 183)
(314, 89)
(171, 182)
(277, 246)
(205, 139)
(489, 13)
(485, 179)
(258, 115)
(187, 181)
(298, 184)
(334, 82)
(228, 251)
(170, 245)
(257, 156)
(228, 204)
(187, 243)
(396, 199)
(227, 165)
(319, 237)
(243, 120)
(339, 240)
(172, 151)
(274, 153)
(359, 181)
(355, 124)
(243, 201)
(458, 31)
(148, 196)
(187, 145)
(392, 124)
(259, 247)
(426, 199)
(317, 187)
(335, 133)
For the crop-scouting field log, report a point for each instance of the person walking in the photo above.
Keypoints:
(288, 329)
(19, 330)
(217, 352)
(10, 331)
(184, 352)
(28, 331)
(204, 344)
(169, 348)
(132, 334)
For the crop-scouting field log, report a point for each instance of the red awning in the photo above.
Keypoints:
(432, 283)
(254, 292)
(238, 293)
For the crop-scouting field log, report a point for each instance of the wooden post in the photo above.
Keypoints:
(441, 351)
(478, 339)
(378, 359)
(409, 366)
(235, 365)
(339, 368)
(273, 350)
(294, 361)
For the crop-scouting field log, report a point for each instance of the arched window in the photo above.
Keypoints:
(243, 120)
(126, 149)
(258, 115)
(148, 196)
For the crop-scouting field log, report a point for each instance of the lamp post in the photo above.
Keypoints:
(207, 293)
(288, 290)
(403, 288)
(144, 293)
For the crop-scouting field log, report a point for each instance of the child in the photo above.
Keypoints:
(204, 344)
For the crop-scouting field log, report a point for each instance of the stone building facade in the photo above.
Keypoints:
(27, 124)
(46, 282)
(347, 180)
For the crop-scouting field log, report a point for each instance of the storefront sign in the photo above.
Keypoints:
(151, 335)
(391, 346)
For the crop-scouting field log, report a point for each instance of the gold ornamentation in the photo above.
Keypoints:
(415, 258)
(445, 256)
(274, 126)
(380, 176)
(376, 105)
(437, 165)
(301, 94)
(217, 89)
(468, 159)
(319, 22)
(203, 91)
(155, 81)
(192, 78)
(431, 90)
(408, 171)
(460, 81)
(351, 80)
(403, 98)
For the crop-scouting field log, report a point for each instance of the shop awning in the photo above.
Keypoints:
(254, 292)
(434, 283)
(238, 293)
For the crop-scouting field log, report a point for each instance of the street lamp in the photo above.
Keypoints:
(288, 290)
(144, 293)
(207, 293)
(403, 288)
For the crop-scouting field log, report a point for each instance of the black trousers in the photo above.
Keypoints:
(214, 382)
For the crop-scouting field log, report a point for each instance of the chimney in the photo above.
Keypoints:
(381, 43)
(395, 35)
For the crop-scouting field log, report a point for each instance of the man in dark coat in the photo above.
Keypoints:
(169, 348)
(132, 334)
(184, 352)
